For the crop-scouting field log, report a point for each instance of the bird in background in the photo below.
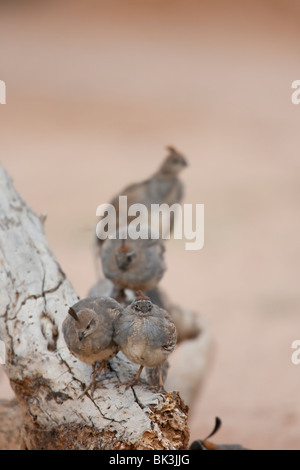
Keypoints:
(205, 444)
(146, 335)
(89, 333)
(164, 187)
(133, 264)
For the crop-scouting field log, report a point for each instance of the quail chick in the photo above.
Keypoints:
(146, 335)
(133, 264)
(88, 331)
(163, 187)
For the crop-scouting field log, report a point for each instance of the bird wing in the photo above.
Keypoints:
(98, 304)
(136, 193)
(162, 333)
(170, 343)
(123, 328)
(103, 338)
(175, 193)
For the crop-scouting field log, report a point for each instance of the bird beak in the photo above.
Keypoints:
(122, 265)
(80, 336)
(144, 309)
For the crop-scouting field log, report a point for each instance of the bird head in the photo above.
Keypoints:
(86, 322)
(142, 304)
(124, 257)
(174, 163)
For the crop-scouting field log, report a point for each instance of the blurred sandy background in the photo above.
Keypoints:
(96, 89)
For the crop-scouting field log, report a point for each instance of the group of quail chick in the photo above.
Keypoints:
(98, 327)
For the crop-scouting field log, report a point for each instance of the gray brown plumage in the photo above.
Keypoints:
(146, 335)
(186, 321)
(133, 264)
(89, 332)
(164, 187)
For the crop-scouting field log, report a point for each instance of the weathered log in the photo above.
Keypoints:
(46, 378)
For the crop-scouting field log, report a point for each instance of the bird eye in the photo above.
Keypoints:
(130, 256)
(88, 327)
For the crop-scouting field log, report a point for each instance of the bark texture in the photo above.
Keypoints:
(46, 378)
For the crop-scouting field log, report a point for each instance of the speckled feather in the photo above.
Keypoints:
(145, 267)
(146, 339)
(164, 187)
(99, 345)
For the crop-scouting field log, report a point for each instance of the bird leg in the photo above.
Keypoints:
(100, 367)
(132, 382)
(160, 381)
(159, 385)
(96, 371)
(137, 375)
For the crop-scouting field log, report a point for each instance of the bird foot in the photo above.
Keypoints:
(92, 387)
(127, 384)
(158, 388)
(85, 392)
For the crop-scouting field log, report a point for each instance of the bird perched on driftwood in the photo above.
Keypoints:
(146, 335)
(133, 264)
(164, 187)
(89, 333)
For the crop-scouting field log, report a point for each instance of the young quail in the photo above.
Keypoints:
(164, 187)
(146, 335)
(133, 264)
(88, 331)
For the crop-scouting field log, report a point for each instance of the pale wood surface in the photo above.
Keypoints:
(45, 377)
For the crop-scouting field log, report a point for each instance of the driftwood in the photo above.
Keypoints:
(46, 378)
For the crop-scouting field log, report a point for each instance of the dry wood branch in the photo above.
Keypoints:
(46, 378)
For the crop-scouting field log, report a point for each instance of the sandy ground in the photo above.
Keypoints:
(94, 94)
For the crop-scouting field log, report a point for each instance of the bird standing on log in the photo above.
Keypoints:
(89, 333)
(133, 264)
(164, 187)
(146, 335)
